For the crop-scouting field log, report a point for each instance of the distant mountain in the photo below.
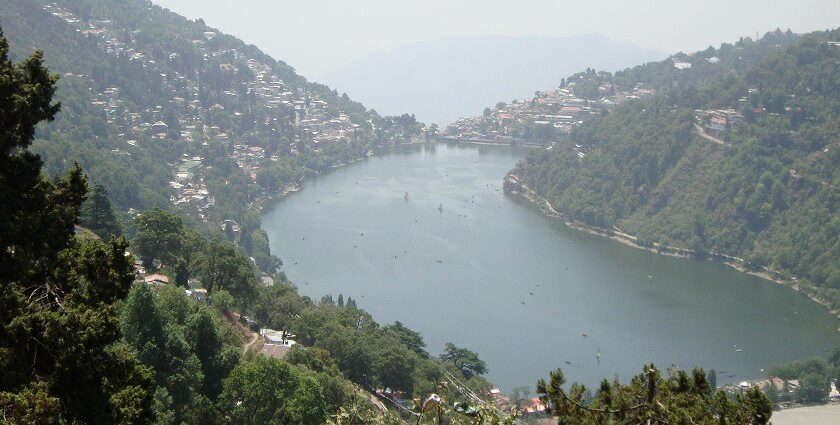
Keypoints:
(446, 79)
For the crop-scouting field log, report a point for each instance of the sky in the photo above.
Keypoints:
(317, 36)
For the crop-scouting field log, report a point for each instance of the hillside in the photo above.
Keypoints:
(551, 114)
(167, 112)
(443, 80)
(737, 153)
(94, 332)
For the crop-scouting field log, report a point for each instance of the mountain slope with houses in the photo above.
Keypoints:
(168, 112)
(736, 153)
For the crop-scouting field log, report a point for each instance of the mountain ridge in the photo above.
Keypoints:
(441, 80)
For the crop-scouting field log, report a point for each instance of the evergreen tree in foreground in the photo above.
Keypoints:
(679, 398)
(59, 356)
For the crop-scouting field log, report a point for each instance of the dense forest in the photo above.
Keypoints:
(764, 189)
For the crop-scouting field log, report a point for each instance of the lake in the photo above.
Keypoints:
(491, 273)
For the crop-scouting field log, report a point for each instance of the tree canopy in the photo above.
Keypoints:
(59, 328)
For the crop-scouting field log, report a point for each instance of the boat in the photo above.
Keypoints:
(406, 196)
(440, 208)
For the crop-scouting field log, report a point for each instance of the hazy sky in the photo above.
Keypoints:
(315, 36)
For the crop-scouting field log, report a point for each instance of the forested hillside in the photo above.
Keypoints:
(167, 112)
(84, 338)
(737, 153)
(97, 329)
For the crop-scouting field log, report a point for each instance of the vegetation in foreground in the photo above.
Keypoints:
(79, 343)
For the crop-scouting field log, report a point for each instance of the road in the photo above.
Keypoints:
(254, 337)
(828, 414)
(710, 138)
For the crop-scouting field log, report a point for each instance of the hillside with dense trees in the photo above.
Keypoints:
(167, 112)
(83, 340)
(764, 188)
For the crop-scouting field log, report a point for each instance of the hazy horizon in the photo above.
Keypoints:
(320, 36)
(457, 76)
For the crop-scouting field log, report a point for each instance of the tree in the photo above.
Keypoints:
(161, 345)
(223, 300)
(206, 342)
(772, 393)
(520, 396)
(262, 253)
(395, 365)
(813, 388)
(97, 214)
(465, 360)
(408, 337)
(712, 378)
(219, 266)
(58, 324)
(270, 391)
(159, 236)
(834, 358)
(650, 397)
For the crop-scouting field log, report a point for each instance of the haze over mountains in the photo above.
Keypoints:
(443, 80)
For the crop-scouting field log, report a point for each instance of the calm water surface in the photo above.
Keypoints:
(491, 273)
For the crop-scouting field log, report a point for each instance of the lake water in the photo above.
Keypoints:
(463, 274)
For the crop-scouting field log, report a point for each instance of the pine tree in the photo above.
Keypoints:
(97, 214)
(712, 378)
(206, 342)
(58, 322)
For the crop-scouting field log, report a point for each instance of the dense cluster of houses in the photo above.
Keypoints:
(530, 407)
(559, 110)
(298, 112)
(784, 389)
(717, 122)
(189, 187)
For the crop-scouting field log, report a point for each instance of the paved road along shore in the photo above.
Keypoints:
(828, 414)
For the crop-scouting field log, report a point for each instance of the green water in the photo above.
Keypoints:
(463, 274)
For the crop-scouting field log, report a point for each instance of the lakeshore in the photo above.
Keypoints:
(515, 186)
(453, 272)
